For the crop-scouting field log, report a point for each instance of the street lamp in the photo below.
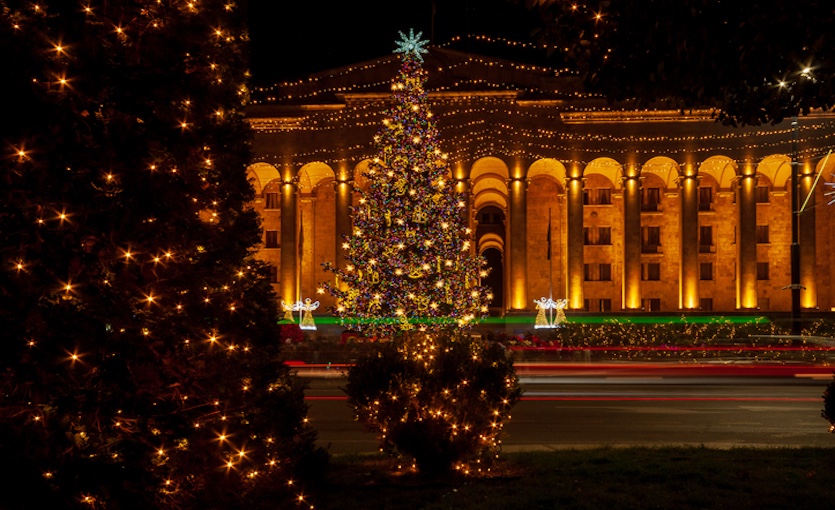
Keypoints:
(795, 246)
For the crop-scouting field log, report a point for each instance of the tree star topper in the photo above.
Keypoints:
(411, 44)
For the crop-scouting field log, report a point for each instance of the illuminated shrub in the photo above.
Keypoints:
(437, 398)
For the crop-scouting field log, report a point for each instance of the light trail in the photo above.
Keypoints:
(568, 398)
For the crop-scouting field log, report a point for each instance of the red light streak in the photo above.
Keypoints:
(676, 348)
(624, 399)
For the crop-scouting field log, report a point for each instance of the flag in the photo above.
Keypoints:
(549, 234)
(300, 236)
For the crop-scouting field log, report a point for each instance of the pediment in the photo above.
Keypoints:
(448, 71)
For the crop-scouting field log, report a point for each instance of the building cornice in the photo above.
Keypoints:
(624, 116)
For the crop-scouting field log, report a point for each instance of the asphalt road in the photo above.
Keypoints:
(594, 411)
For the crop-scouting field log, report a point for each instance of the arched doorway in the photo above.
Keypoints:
(490, 232)
(495, 279)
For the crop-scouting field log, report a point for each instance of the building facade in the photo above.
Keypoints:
(613, 208)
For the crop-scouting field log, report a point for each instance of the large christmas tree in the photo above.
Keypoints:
(431, 394)
(137, 358)
(409, 262)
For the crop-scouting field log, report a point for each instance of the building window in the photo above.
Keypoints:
(273, 274)
(706, 198)
(271, 201)
(651, 271)
(604, 272)
(271, 239)
(650, 239)
(762, 234)
(705, 238)
(597, 196)
(651, 304)
(490, 218)
(600, 305)
(597, 235)
(651, 199)
(706, 304)
(762, 270)
(706, 271)
(762, 194)
(604, 235)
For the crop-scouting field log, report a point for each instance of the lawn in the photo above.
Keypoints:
(602, 478)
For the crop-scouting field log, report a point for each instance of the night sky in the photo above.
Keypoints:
(294, 38)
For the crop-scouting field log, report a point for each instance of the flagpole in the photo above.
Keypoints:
(550, 270)
(299, 261)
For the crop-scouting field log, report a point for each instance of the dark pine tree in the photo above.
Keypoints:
(138, 361)
(698, 53)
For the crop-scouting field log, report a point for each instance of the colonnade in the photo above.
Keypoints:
(518, 294)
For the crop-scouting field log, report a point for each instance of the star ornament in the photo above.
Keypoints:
(412, 45)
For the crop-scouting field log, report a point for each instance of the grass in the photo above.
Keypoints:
(603, 478)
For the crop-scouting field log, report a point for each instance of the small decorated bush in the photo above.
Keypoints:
(440, 399)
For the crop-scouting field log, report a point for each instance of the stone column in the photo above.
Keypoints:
(746, 241)
(518, 237)
(631, 239)
(689, 220)
(808, 241)
(306, 245)
(289, 246)
(343, 190)
(574, 252)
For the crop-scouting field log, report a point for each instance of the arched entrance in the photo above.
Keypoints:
(490, 232)
(495, 279)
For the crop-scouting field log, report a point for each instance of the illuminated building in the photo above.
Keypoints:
(650, 210)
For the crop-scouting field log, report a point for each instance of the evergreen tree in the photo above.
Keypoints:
(138, 360)
(435, 395)
(408, 258)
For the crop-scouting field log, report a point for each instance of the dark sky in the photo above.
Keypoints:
(294, 38)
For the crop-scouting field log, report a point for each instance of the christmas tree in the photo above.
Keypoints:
(432, 393)
(138, 360)
(409, 262)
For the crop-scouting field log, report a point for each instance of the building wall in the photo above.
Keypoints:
(315, 240)
(525, 146)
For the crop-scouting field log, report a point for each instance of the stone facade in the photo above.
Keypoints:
(650, 210)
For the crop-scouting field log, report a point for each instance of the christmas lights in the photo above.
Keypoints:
(138, 325)
(409, 263)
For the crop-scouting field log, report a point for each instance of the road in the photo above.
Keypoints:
(604, 410)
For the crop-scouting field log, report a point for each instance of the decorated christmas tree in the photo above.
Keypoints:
(409, 261)
(137, 362)
(432, 393)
